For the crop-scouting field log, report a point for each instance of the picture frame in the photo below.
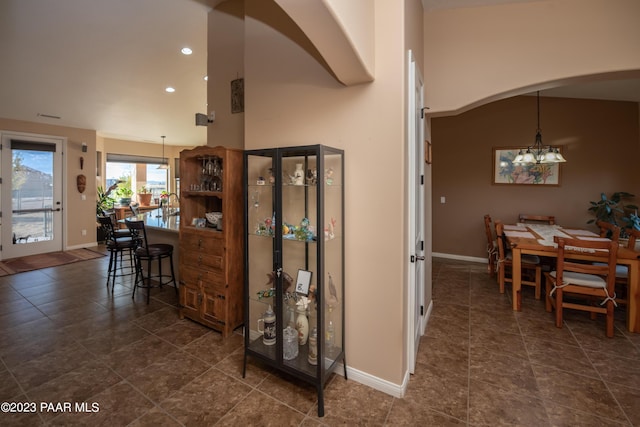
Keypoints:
(237, 96)
(427, 152)
(507, 173)
(303, 282)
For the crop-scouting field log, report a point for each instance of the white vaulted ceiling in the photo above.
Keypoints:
(104, 65)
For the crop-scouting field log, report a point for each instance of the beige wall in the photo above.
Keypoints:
(478, 54)
(600, 140)
(225, 63)
(291, 99)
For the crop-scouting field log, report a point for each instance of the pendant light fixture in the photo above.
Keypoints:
(165, 164)
(538, 153)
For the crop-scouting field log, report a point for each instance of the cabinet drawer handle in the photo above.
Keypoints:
(199, 243)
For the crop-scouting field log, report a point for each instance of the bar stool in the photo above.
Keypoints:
(149, 253)
(117, 244)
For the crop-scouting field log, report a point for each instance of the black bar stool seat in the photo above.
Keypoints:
(117, 244)
(148, 253)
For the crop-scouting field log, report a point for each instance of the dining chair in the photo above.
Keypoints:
(622, 271)
(530, 264)
(492, 248)
(537, 219)
(609, 230)
(583, 286)
(134, 208)
(120, 232)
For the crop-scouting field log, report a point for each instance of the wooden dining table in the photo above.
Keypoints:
(537, 239)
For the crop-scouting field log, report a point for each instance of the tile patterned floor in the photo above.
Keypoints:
(64, 338)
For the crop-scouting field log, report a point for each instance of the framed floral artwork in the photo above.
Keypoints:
(505, 172)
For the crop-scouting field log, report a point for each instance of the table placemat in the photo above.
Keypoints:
(578, 232)
(525, 234)
(515, 227)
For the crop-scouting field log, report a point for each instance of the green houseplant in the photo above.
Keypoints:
(124, 192)
(105, 200)
(615, 210)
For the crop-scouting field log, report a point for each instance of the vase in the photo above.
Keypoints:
(312, 355)
(144, 199)
(302, 325)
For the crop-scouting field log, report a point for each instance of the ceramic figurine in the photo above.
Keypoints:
(298, 175)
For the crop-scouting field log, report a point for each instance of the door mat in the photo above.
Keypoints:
(51, 259)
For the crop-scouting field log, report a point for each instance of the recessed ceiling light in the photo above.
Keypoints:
(186, 51)
(169, 89)
(206, 78)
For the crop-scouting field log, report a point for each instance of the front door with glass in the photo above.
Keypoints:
(31, 199)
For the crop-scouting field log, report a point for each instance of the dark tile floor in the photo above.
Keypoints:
(64, 338)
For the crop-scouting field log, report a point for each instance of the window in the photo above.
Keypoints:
(136, 172)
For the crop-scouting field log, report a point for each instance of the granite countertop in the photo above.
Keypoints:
(156, 220)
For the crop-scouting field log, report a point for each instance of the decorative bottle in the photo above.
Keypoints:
(292, 318)
(312, 357)
(302, 325)
(330, 338)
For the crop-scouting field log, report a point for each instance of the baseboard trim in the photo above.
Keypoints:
(395, 390)
(82, 246)
(460, 257)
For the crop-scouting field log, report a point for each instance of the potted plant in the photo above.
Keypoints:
(614, 210)
(104, 202)
(124, 192)
(144, 196)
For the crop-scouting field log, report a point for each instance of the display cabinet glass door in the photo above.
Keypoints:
(262, 277)
(333, 259)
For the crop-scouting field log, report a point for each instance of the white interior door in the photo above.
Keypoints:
(31, 194)
(415, 181)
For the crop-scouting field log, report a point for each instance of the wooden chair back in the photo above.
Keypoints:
(608, 270)
(540, 219)
(491, 245)
(609, 230)
(596, 299)
(634, 235)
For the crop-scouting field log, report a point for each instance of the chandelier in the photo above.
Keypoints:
(164, 164)
(538, 153)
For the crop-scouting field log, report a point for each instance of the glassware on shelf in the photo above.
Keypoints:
(203, 175)
(290, 343)
(330, 337)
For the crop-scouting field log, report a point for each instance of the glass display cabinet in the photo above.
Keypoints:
(294, 263)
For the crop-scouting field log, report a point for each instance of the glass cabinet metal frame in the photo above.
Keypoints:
(275, 250)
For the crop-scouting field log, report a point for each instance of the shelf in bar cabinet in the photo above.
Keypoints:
(195, 193)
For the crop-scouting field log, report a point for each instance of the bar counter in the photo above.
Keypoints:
(163, 228)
